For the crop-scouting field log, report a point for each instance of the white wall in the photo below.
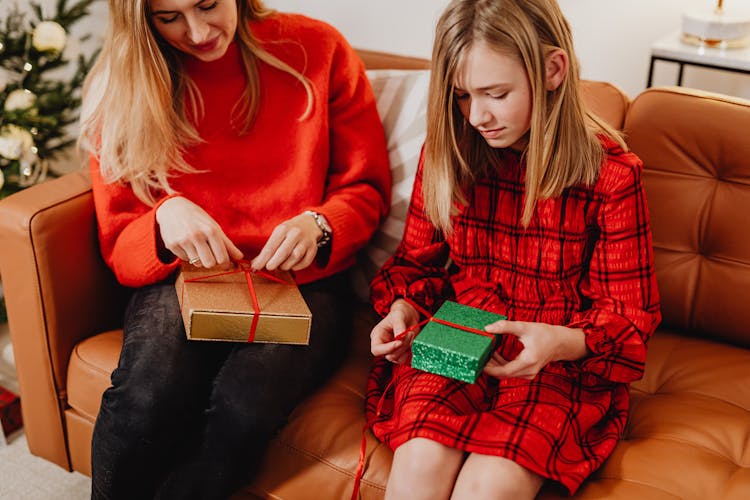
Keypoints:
(612, 36)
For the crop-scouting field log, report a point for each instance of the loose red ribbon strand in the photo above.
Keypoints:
(243, 267)
(428, 317)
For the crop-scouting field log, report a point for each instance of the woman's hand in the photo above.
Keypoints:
(293, 245)
(402, 316)
(542, 344)
(194, 236)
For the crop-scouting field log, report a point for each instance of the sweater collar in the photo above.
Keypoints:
(228, 65)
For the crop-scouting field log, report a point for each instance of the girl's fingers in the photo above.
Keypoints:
(516, 328)
(386, 349)
(403, 358)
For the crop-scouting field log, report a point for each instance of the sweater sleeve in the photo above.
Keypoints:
(621, 285)
(358, 184)
(418, 268)
(128, 233)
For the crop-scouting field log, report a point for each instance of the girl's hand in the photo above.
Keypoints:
(402, 316)
(293, 244)
(542, 344)
(194, 236)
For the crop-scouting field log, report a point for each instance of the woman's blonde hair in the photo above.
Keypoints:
(563, 147)
(133, 118)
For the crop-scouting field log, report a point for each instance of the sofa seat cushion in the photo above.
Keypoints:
(689, 423)
(91, 364)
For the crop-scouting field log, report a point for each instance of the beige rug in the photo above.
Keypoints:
(26, 477)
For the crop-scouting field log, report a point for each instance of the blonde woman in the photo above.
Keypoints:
(220, 130)
(541, 210)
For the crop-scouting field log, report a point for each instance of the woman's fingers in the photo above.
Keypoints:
(292, 245)
(205, 254)
(307, 260)
(284, 250)
(269, 249)
(192, 235)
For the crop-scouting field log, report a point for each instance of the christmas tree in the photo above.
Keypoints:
(36, 107)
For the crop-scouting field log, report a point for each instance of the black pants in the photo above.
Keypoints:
(188, 419)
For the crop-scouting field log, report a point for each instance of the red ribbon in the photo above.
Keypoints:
(428, 317)
(243, 266)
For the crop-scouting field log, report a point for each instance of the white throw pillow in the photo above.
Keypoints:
(401, 97)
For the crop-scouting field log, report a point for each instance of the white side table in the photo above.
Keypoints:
(672, 49)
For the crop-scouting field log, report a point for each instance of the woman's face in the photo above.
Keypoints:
(494, 95)
(201, 28)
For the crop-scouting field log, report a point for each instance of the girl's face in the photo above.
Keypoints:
(201, 28)
(494, 96)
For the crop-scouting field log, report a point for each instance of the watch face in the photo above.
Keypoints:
(324, 227)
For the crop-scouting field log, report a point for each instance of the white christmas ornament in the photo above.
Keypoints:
(19, 99)
(15, 142)
(2, 179)
(48, 35)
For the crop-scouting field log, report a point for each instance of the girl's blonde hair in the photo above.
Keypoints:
(563, 147)
(133, 118)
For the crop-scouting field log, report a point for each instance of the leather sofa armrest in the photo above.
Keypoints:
(58, 291)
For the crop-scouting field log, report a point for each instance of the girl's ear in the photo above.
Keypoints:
(556, 68)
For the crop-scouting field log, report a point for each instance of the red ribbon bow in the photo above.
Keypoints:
(243, 266)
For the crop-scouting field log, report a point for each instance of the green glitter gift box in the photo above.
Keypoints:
(452, 352)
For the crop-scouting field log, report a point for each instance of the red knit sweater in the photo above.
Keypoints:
(334, 162)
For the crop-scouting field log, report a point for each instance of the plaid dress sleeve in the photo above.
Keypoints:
(620, 282)
(418, 268)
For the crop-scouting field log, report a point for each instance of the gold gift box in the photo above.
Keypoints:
(219, 307)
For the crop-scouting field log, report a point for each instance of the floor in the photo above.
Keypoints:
(26, 477)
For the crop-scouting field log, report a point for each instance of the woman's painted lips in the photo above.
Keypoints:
(208, 46)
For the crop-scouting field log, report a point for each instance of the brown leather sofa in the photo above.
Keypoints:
(689, 429)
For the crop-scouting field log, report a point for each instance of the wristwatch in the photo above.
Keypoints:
(324, 227)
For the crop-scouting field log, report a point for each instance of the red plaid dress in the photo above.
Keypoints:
(584, 261)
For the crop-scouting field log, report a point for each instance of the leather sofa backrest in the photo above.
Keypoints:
(696, 153)
(607, 101)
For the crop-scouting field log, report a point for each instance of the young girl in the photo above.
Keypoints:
(526, 205)
(220, 130)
